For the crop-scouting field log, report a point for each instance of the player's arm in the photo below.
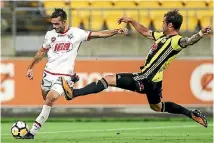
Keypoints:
(37, 58)
(108, 33)
(140, 28)
(186, 41)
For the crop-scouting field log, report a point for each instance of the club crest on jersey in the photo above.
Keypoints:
(154, 46)
(53, 39)
(70, 36)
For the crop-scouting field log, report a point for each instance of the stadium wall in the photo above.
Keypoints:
(187, 82)
(115, 46)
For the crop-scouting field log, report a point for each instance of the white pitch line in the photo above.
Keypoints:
(119, 129)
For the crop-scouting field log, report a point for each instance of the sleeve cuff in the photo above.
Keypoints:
(89, 36)
(46, 49)
(179, 41)
(153, 35)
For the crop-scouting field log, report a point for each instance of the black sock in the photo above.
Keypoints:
(93, 87)
(174, 108)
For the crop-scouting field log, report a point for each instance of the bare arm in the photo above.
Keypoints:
(186, 41)
(38, 57)
(108, 33)
(140, 28)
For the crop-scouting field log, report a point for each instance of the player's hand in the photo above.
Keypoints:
(123, 31)
(30, 74)
(206, 30)
(124, 19)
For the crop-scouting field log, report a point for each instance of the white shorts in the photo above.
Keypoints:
(52, 81)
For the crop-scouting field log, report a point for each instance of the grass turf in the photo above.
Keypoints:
(113, 131)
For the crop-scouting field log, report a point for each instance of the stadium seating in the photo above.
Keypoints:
(125, 4)
(97, 20)
(79, 4)
(194, 4)
(79, 18)
(111, 18)
(145, 18)
(50, 5)
(148, 4)
(205, 17)
(101, 4)
(157, 18)
(106, 13)
(171, 4)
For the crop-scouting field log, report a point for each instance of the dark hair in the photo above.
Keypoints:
(174, 17)
(59, 12)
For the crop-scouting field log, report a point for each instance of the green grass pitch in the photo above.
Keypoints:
(114, 131)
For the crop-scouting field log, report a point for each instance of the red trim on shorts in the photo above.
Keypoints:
(57, 73)
(89, 36)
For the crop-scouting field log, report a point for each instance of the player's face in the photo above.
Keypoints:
(164, 26)
(58, 24)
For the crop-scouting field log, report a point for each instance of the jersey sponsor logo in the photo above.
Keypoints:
(202, 81)
(154, 46)
(7, 86)
(62, 47)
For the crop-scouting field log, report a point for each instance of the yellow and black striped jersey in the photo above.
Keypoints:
(162, 52)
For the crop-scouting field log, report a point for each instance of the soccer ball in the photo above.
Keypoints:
(19, 129)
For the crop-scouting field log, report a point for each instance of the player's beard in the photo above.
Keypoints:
(59, 30)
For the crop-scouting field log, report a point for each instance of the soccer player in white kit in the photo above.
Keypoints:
(61, 45)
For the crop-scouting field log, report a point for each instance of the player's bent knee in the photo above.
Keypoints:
(110, 79)
(155, 107)
(51, 98)
(44, 94)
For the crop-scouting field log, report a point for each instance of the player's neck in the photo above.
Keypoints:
(66, 29)
(172, 32)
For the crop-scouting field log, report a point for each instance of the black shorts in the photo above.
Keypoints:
(153, 90)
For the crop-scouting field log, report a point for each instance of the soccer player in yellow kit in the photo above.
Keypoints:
(166, 47)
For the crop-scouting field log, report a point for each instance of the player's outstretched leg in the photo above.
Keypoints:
(174, 108)
(121, 80)
(93, 87)
(43, 116)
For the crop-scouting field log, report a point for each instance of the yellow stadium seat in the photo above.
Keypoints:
(190, 21)
(157, 18)
(78, 17)
(134, 14)
(97, 20)
(145, 19)
(209, 3)
(111, 19)
(184, 25)
(79, 4)
(195, 4)
(50, 5)
(54, 4)
(124, 4)
(205, 17)
(171, 4)
(148, 4)
(101, 4)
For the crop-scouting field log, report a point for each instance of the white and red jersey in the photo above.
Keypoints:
(62, 49)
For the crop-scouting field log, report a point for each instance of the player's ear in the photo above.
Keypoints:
(170, 25)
